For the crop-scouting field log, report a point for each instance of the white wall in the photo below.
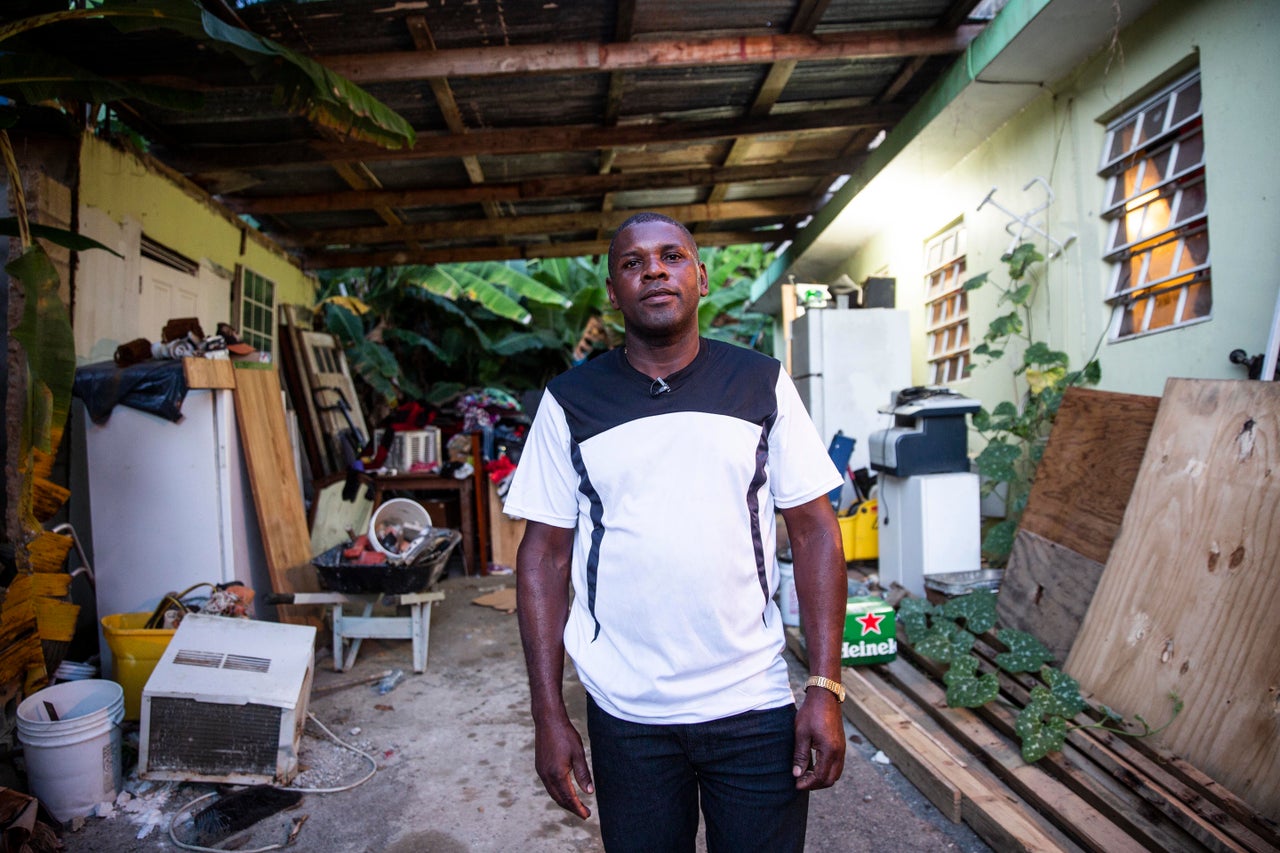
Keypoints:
(1059, 137)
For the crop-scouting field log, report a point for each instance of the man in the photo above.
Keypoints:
(649, 481)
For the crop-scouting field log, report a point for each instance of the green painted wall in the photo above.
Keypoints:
(172, 212)
(1059, 137)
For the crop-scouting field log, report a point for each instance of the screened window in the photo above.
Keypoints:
(257, 310)
(1158, 228)
(946, 306)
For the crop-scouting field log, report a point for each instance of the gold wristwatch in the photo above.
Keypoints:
(834, 686)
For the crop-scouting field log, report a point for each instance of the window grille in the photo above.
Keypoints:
(946, 306)
(1155, 210)
(257, 310)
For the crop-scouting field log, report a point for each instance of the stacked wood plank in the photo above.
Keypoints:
(1102, 793)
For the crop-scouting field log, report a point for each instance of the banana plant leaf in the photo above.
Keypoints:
(517, 282)
(55, 80)
(452, 282)
(45, 335)
(58, 236)
(302, 85)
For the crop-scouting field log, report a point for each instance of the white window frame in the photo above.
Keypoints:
(1155, 208)
(255, 302)
(946, 306)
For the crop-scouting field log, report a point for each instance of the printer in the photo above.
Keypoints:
(929, 433)
(929, 513)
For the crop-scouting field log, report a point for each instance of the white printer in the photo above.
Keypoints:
(929, 433)
(929, 516)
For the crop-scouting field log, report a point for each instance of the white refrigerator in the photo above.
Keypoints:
(845, 362)
(169, 504)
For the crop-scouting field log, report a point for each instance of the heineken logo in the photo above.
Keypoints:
(867, 650)
(870, 623)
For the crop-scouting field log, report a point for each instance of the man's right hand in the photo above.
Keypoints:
(561, 760)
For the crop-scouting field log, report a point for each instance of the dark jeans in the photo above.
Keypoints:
(649, 778)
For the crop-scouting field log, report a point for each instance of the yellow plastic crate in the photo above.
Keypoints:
(135, 651)
(860, 532)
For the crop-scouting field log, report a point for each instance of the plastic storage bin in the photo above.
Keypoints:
(135, 651)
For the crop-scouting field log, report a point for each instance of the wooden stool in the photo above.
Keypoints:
(416, 626)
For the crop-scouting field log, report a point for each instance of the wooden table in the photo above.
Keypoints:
(469, 510)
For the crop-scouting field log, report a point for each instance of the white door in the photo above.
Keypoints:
(167, 293)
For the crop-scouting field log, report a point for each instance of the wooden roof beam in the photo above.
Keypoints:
(536, 140)
(598, 57)
(514, 251)
(561, 223)
(538, 188)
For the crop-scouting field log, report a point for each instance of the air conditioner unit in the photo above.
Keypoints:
(413, 447)
(227, 702)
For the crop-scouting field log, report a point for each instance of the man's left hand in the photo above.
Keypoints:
(819, 752)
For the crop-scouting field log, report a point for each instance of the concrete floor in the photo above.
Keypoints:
(454, 753)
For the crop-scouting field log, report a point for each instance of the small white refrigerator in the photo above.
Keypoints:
(845, 362)
(168, 504)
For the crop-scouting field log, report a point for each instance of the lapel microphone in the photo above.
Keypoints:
(658, 386)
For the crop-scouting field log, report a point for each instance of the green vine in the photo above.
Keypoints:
(1016, 434)
(947, 633)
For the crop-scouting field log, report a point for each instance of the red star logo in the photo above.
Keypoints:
(871, 623)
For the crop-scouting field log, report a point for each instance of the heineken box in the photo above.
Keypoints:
(870, 635)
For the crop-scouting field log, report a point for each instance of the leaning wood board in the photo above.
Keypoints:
(1189, 596)
(277, 496)
(1084, 480)
(1046, 591)
(1073, 514)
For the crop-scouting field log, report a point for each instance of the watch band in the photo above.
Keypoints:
(826, 683)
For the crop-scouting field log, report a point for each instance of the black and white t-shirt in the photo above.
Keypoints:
(673, 493)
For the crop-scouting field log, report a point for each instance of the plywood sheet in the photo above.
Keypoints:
(1084, 480)
(277, 496)
(208, 373)
(1046, 591)
(1189, 596)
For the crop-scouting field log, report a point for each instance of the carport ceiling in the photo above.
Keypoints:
(542, 125)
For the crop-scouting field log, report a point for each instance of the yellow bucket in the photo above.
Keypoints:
(135, 651)
(860, 532)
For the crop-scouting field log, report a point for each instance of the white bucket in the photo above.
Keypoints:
(73, 763)
(787, 601)
(400, 513)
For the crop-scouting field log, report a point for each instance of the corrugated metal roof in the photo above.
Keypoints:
(727, 120)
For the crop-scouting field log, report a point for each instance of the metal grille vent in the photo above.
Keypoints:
(209, 738)
(217, 660)
(188, 657)
(245, 663)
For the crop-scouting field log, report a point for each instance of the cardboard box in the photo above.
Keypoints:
(870, 632)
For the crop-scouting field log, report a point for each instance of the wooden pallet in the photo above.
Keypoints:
(1102, 793)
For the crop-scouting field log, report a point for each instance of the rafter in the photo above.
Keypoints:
(533, 140)
(563, 223)
(595, 57)
(559, 187)
(518, 251)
